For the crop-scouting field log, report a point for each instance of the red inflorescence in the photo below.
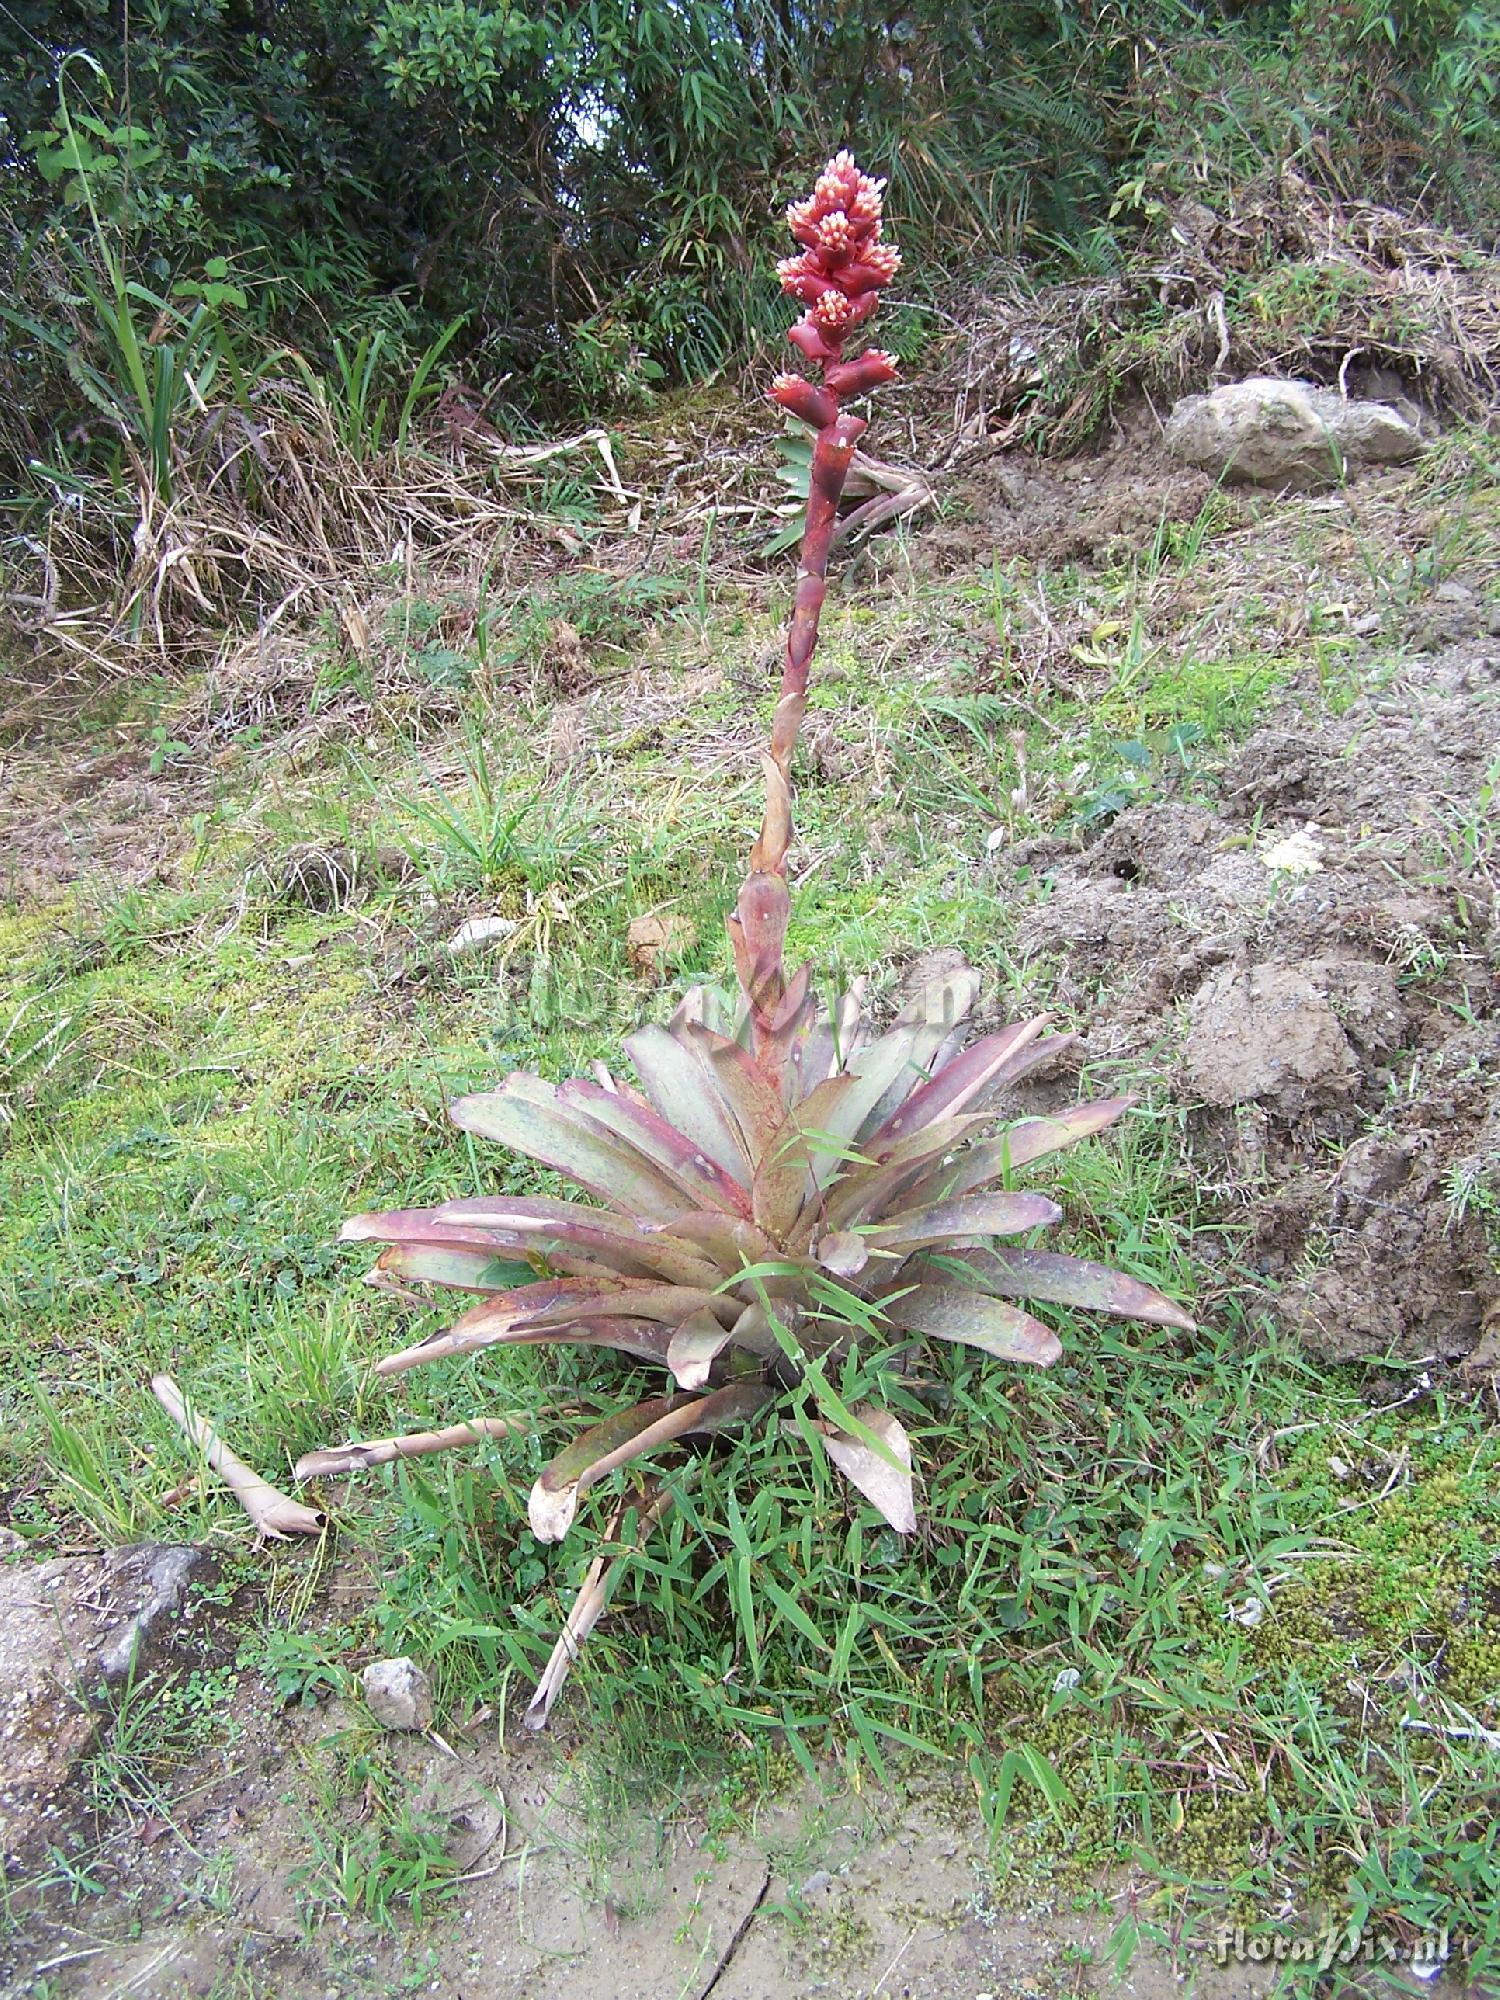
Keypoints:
(837, 276)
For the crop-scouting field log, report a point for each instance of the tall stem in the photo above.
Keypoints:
(757, 929)
(833, 452)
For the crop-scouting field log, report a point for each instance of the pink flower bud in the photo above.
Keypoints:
(853, 378)
(832, 311)
(809, 337)
(795, 393)
(833, 233)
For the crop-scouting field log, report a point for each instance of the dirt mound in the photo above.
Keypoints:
(1318, 953)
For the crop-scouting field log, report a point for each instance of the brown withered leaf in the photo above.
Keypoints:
(651, 940)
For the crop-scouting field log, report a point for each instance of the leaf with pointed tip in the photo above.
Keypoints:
(955, 1312)
(1021, 1145)
(543, 1225)
(886, 1487)
(494, 1325)
(969, 1215)
(752, 1101)
(555, 1496)
(959, 1082)
(695, 1346)
(461, 1270)
(669, 1151)
(1073, 1281)
(678, 1083)
(522, 1115)
(557, 1301)
(862, 1193)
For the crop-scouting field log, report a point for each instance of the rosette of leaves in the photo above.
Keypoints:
(748, 1234)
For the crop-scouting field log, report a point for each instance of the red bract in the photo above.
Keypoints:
(838, 276)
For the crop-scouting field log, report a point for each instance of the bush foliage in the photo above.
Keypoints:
(585, 186)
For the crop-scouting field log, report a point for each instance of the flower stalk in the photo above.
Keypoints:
(837, 275)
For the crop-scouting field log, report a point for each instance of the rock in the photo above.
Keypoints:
(68, 1628)
(398, 1694)
(476, 932)
(153, 1580)
(1269, 432)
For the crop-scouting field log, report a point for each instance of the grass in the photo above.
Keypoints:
(1189, 1605)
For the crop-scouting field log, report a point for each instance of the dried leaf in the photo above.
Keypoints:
(651, 940)
(888, 1489)
(555, 1496)
(590, 1604)
(333, 1461)
(694, 1347)
(276, 1515)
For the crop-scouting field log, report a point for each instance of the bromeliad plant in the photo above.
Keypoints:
(780, 1184)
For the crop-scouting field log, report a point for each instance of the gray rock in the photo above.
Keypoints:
(67, 1628)
(398, 1694)
(1269, 432)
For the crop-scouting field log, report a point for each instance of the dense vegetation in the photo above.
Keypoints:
(586, 190)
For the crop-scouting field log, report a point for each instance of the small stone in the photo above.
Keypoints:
(477, 932)
(398, 1694)
(817, 1885)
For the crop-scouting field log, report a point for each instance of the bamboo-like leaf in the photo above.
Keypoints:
(524, 1115)
(887, 1488)
(686, 1165)
(959, 1082)
(786, 1172)
(695, 1346)
(969, 1215)
(560, 1301)
(861, 1193)
(555, 1496)
(956, 1312)
(1073, 1281)
(680, 1085)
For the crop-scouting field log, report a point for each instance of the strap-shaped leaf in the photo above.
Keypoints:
(479, 1269)
(883, 1485)
(555, 1496)
(956, 1312)
(1073, 1281)
(494, 1325)
(544, 1226)
(1021, 1145)
(524, 1115)
(753, 1102)
(670, 1152)
(557, 1301)
(681, 1086)
(959, 1082)
(969, 1215)
(695, 1346)
(863, 1193)
(728, 1243)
